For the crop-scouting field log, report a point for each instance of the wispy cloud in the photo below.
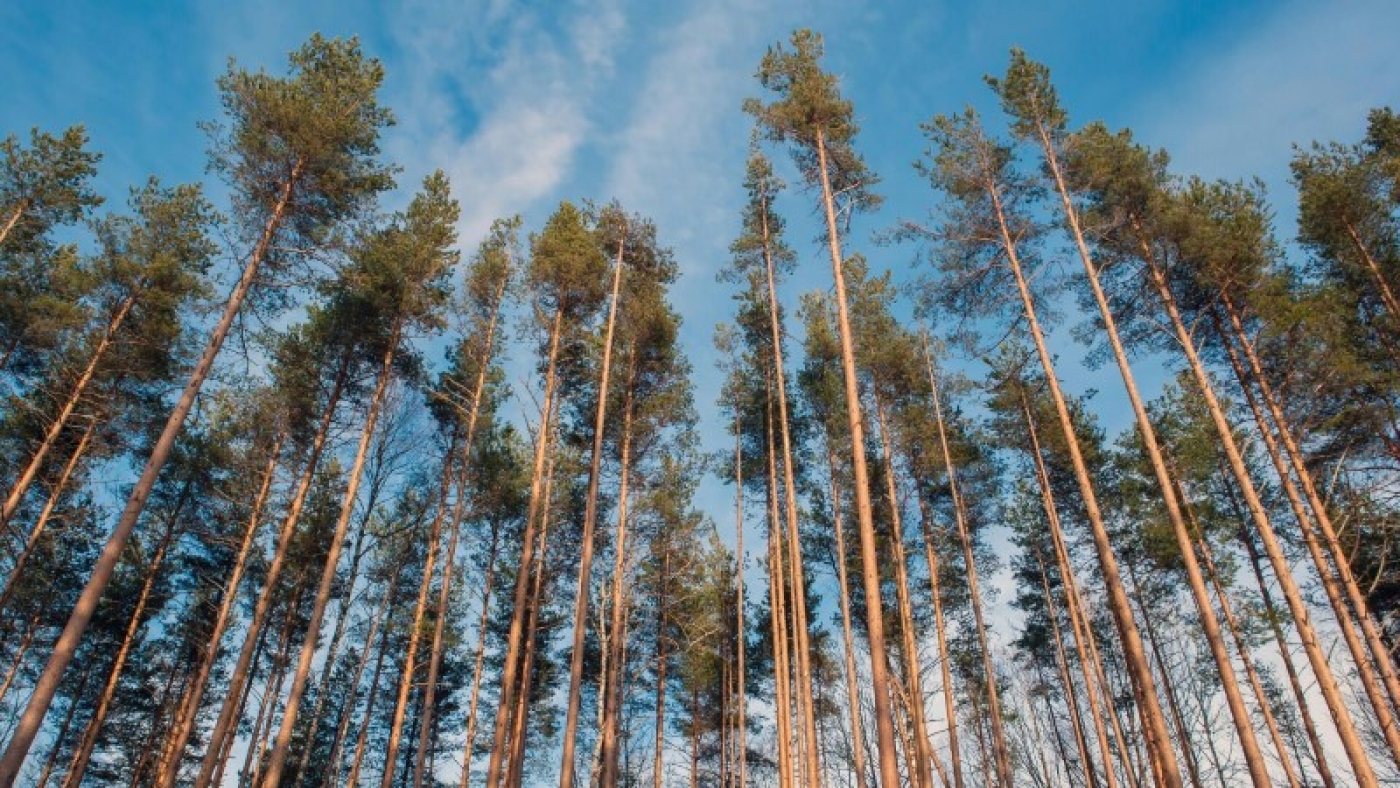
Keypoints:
(506, 127)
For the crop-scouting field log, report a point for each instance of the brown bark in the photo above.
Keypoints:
(489, 583)
(52, 760)
(323, 593)
(999, 748)
(847, 636)
(922, 753)
(332, 772)
(226, 722)
(612, 704)
(743, 639)
(660, 723)
(60, 420)
(1388, 297)
(363, 738)
(590, 519)
(1066, 681)
(777, 604)
(24, 644)
(106, 564)
(950, 707)
(15, 216)
(870, 569)
(511, 668)
(1327, 682)
(1154, 723)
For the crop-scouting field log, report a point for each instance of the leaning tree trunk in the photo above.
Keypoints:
(870, 568)
(1154, 723)
(847, 637)
(511, 668)
(106, 564)
(1327, 682)
(469, 746)
(332, 772)
(590, 520)
(278, 761)
(950, 708)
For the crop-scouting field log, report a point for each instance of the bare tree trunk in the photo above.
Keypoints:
(252, 762)
(950, 707)
(777, 591)
(740, 562)
(1327, 682)
(20, 651)
(922, 753)
(515, 769)
(847, 636)
(77, 765)
(35, 533)
(661, 670)
(362, 739)
(1079, 627)
(106, 564)
(1384, 663)
(1183, 733)
(1154, 724)
(870, 568)
(489, 583)
(225, 749)
(511, 668)
(613, 680)
(52, 760)
(15, 216)
(278, 761)
(1300, 696)
(1062, 665)
(226, 722)
(346, 711)
(60, 420)
(999, 748)
(590, 519)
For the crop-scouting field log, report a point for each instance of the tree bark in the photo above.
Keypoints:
(480, 655)
(848, 637)
(342, 726)
(618, 626)
(950, 707)
(743, 640)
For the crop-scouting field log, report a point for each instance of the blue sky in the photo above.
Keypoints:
(525, 104)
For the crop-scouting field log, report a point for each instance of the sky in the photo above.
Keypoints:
(525, 104)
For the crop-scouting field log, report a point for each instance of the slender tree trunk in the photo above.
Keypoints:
(777, 591)
(1260, 697)
(1244, 727)
(77, 766)
(847, 636)
(60, 420)
(420, 610)
(590, 519)
(1384, 663)
(252, 761)
(1327, 682)
(23, 649)
(661, 658)
(613, 680)
(168, 768)
(488, 583)
(1300, 696)
(347, 711)
(226, 747)
(62, 736)
(1154, 723)
(999, 748)
(15, 216)
(35, 533)
(742, 628)
(870, 568)
(226, 722)
(106, 563)
(1067, 683)
(1388, 297)
(278, 761)
(515, 769)
(511, 668)
(449, 565)
(1079, 627)
(950, 706)
(1183, 733)
(363, 738)
(922, 753)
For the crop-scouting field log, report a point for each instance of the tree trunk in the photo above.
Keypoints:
(999, 748)
(511, 667)
(106, 564)
(252, 761)
(950, 707)
(467, 749)
(1327, 682)
(1154, 723)
(777, 592)
(278, 761)
(15, 216)
(870, 568)
(612, 705)
(515, 769)
(77, 766)
(1379, 652)
(661, 670)
(23, 649)
(342, 725)
(1183, 733)
(1300, 696)
(922, 753)
(35, 533)
(420, 609)
(1067, 683)
(226, 722)
(169, 766)
(62, 736)
(60, 421)
(742, 628)
(847, 636)
(1096, 689)
(590, 519)
(363, 738)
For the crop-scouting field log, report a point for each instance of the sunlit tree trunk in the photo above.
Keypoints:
(950, 706)
(617, 663)
(381, 617)
(1066, 682)
(515, 769)
(741, 626)
(777, 605)
(488, 585)
(847, 636)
